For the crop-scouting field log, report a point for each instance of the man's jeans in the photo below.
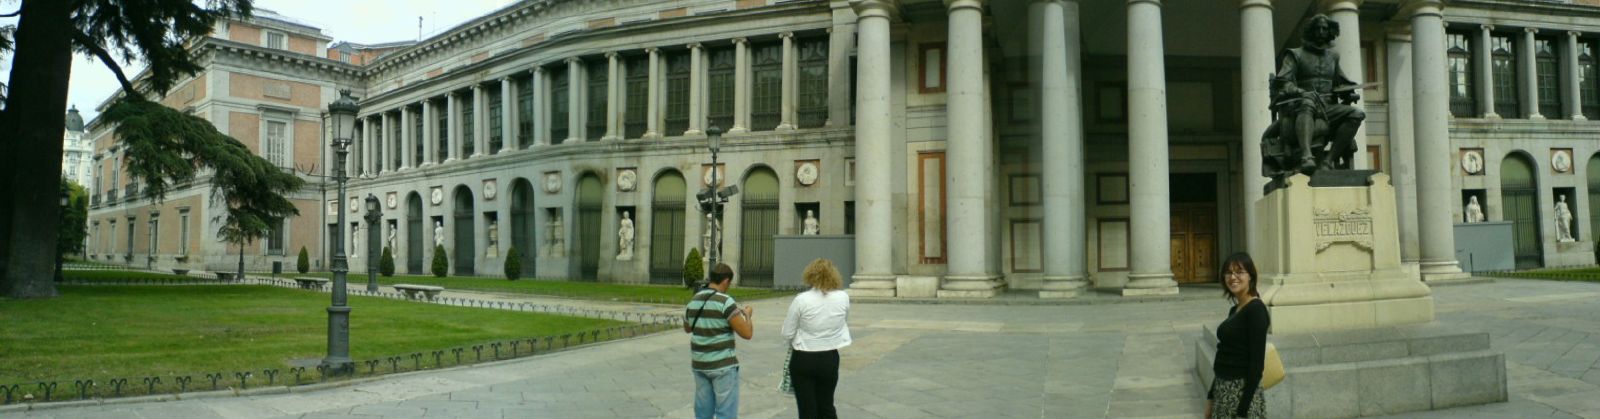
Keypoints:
(716, 393)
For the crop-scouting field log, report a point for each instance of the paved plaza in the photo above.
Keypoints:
(1125, 359)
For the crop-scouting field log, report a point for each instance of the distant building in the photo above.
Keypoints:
(77, 153)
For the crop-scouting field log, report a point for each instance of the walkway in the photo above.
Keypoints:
(958, 361)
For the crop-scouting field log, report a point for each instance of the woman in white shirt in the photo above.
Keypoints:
(816, 329)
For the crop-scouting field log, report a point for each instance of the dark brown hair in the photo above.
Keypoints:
(721, 273)
(1243, 260)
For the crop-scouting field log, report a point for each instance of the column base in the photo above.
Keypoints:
(1443, 271)
(971, 286)
(738, 130)
(694, 132)
(1536, 117)
(1579, 117)
(610, 138)
(651, 135)
(1146, 281)
(872, 285)
(784, 127)
(1141, 292)
(1063, 286)
(1491, 115)
(425, 164)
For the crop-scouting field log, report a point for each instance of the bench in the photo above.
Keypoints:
(311, 283)
(413, 291)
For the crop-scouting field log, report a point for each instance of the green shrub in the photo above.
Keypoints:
(441, 265)
(693, 268)
(304, 263)
(386, 265)
(513, 264)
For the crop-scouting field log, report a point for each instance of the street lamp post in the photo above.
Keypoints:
(66, 201)
(712, 199)
(374, 216)
(343, 113)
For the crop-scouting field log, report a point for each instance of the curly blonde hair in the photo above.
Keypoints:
(822, 275)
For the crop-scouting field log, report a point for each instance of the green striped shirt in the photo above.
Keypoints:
(711, 339)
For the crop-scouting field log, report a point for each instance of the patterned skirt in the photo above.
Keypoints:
(1227, 394)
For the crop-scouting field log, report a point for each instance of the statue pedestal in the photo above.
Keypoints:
(1328, 255)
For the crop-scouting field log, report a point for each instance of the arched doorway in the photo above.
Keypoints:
(522, 224)
(1519, 204)
(414, 247)
(1594, 198)
(590, 199)
(666, 229)
(760, 223)
(465, 256)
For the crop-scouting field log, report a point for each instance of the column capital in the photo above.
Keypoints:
(1157, 3)
(573, 60)
(1486, 27)
(740, 40)
(1246, 4)
(1341, 5)
(1530, 30)
(786, 35)
(954, 5)
(652, 50)
(476, 87)
(695, 45)
(611, 55)
(1574, 34)
(536, 70)
(1398, 30)
(1415, 8)
(876, 8)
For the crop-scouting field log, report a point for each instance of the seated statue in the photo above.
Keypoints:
(1314, 114)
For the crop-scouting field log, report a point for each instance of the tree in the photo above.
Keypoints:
(513, 265)
(386, 263)
(693, 268)
(303, 263)
(441, 265)
(74, 222)
(48, 32)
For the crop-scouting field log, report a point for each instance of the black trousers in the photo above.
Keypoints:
(814, 375)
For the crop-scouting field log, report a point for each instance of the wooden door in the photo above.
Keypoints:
(1194, 242)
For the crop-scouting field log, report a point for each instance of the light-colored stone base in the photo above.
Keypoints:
(1139, 292)
(870, 292)
(1379, 371)
(1352, 315)
(916, 286)
(968, 294)
(1445, 277)
(1060, 294)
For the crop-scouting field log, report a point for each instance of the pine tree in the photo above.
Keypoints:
(304, 263)
(441, 265)
(693, 268)
(513, 266)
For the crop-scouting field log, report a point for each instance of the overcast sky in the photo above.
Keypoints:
(361, 21)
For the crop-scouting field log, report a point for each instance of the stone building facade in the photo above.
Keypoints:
(77, 153)
(1047, 145)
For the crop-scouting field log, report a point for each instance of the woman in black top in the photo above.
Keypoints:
(1241, 345)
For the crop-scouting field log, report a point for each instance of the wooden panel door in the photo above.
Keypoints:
(1194, 243)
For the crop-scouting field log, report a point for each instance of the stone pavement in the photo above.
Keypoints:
(943, 360)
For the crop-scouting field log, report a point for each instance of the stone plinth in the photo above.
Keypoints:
(916, 286)
(1378, 371)
(1330, 255)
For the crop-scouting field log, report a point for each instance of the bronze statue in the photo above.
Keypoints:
(1314, 114)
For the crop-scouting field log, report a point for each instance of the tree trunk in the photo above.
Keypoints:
(31, 133)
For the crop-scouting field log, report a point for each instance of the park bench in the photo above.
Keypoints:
(311, 283)
(413, 291)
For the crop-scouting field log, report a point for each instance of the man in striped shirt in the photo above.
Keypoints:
(711, 319)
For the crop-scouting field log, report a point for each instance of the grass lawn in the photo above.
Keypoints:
(105, 332)
(568, 289)
(1589, 274)
(71, 275)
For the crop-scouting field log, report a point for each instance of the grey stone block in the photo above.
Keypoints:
(1435, 345)
(1394, 386)
(1467, 379)
(1364, 352)
(1325, 392)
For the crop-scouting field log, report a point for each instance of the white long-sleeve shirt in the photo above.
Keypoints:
(816, 321)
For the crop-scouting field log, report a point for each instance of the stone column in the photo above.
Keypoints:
(741, 86)
(480, 121)
(508, 115)
(652, 123)
(1571, 98)
(841, 42)
(1257, 64)
(969, 273)
(386, 142)
(1483, 57)
(1528, 74)
(575, 108)
(1348, 14)
(697, 86)
(366, 145)
(1432, 101)
(613, 98)
(453, 125)
(430, 133)
(1402, 143)
(541, 106)
(408, 149)
(874, 276)
(1061, 114)
(791, 62)
(1147, 153)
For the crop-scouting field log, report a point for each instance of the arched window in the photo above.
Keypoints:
(1519, 204)
(1503, 58)
(590, 199)
(414, 248)
(759, 217)
(524, 231)
(666, 229)
(465, 256)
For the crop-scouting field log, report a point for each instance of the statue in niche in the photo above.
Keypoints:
(389, 242)
(438, 233)
(355, 241)
(1474, 213)
(493, 249)
(712, 238)
(625, 237)
(554, 235)
(1315, 117)
(1563, 220)
(809, 225)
